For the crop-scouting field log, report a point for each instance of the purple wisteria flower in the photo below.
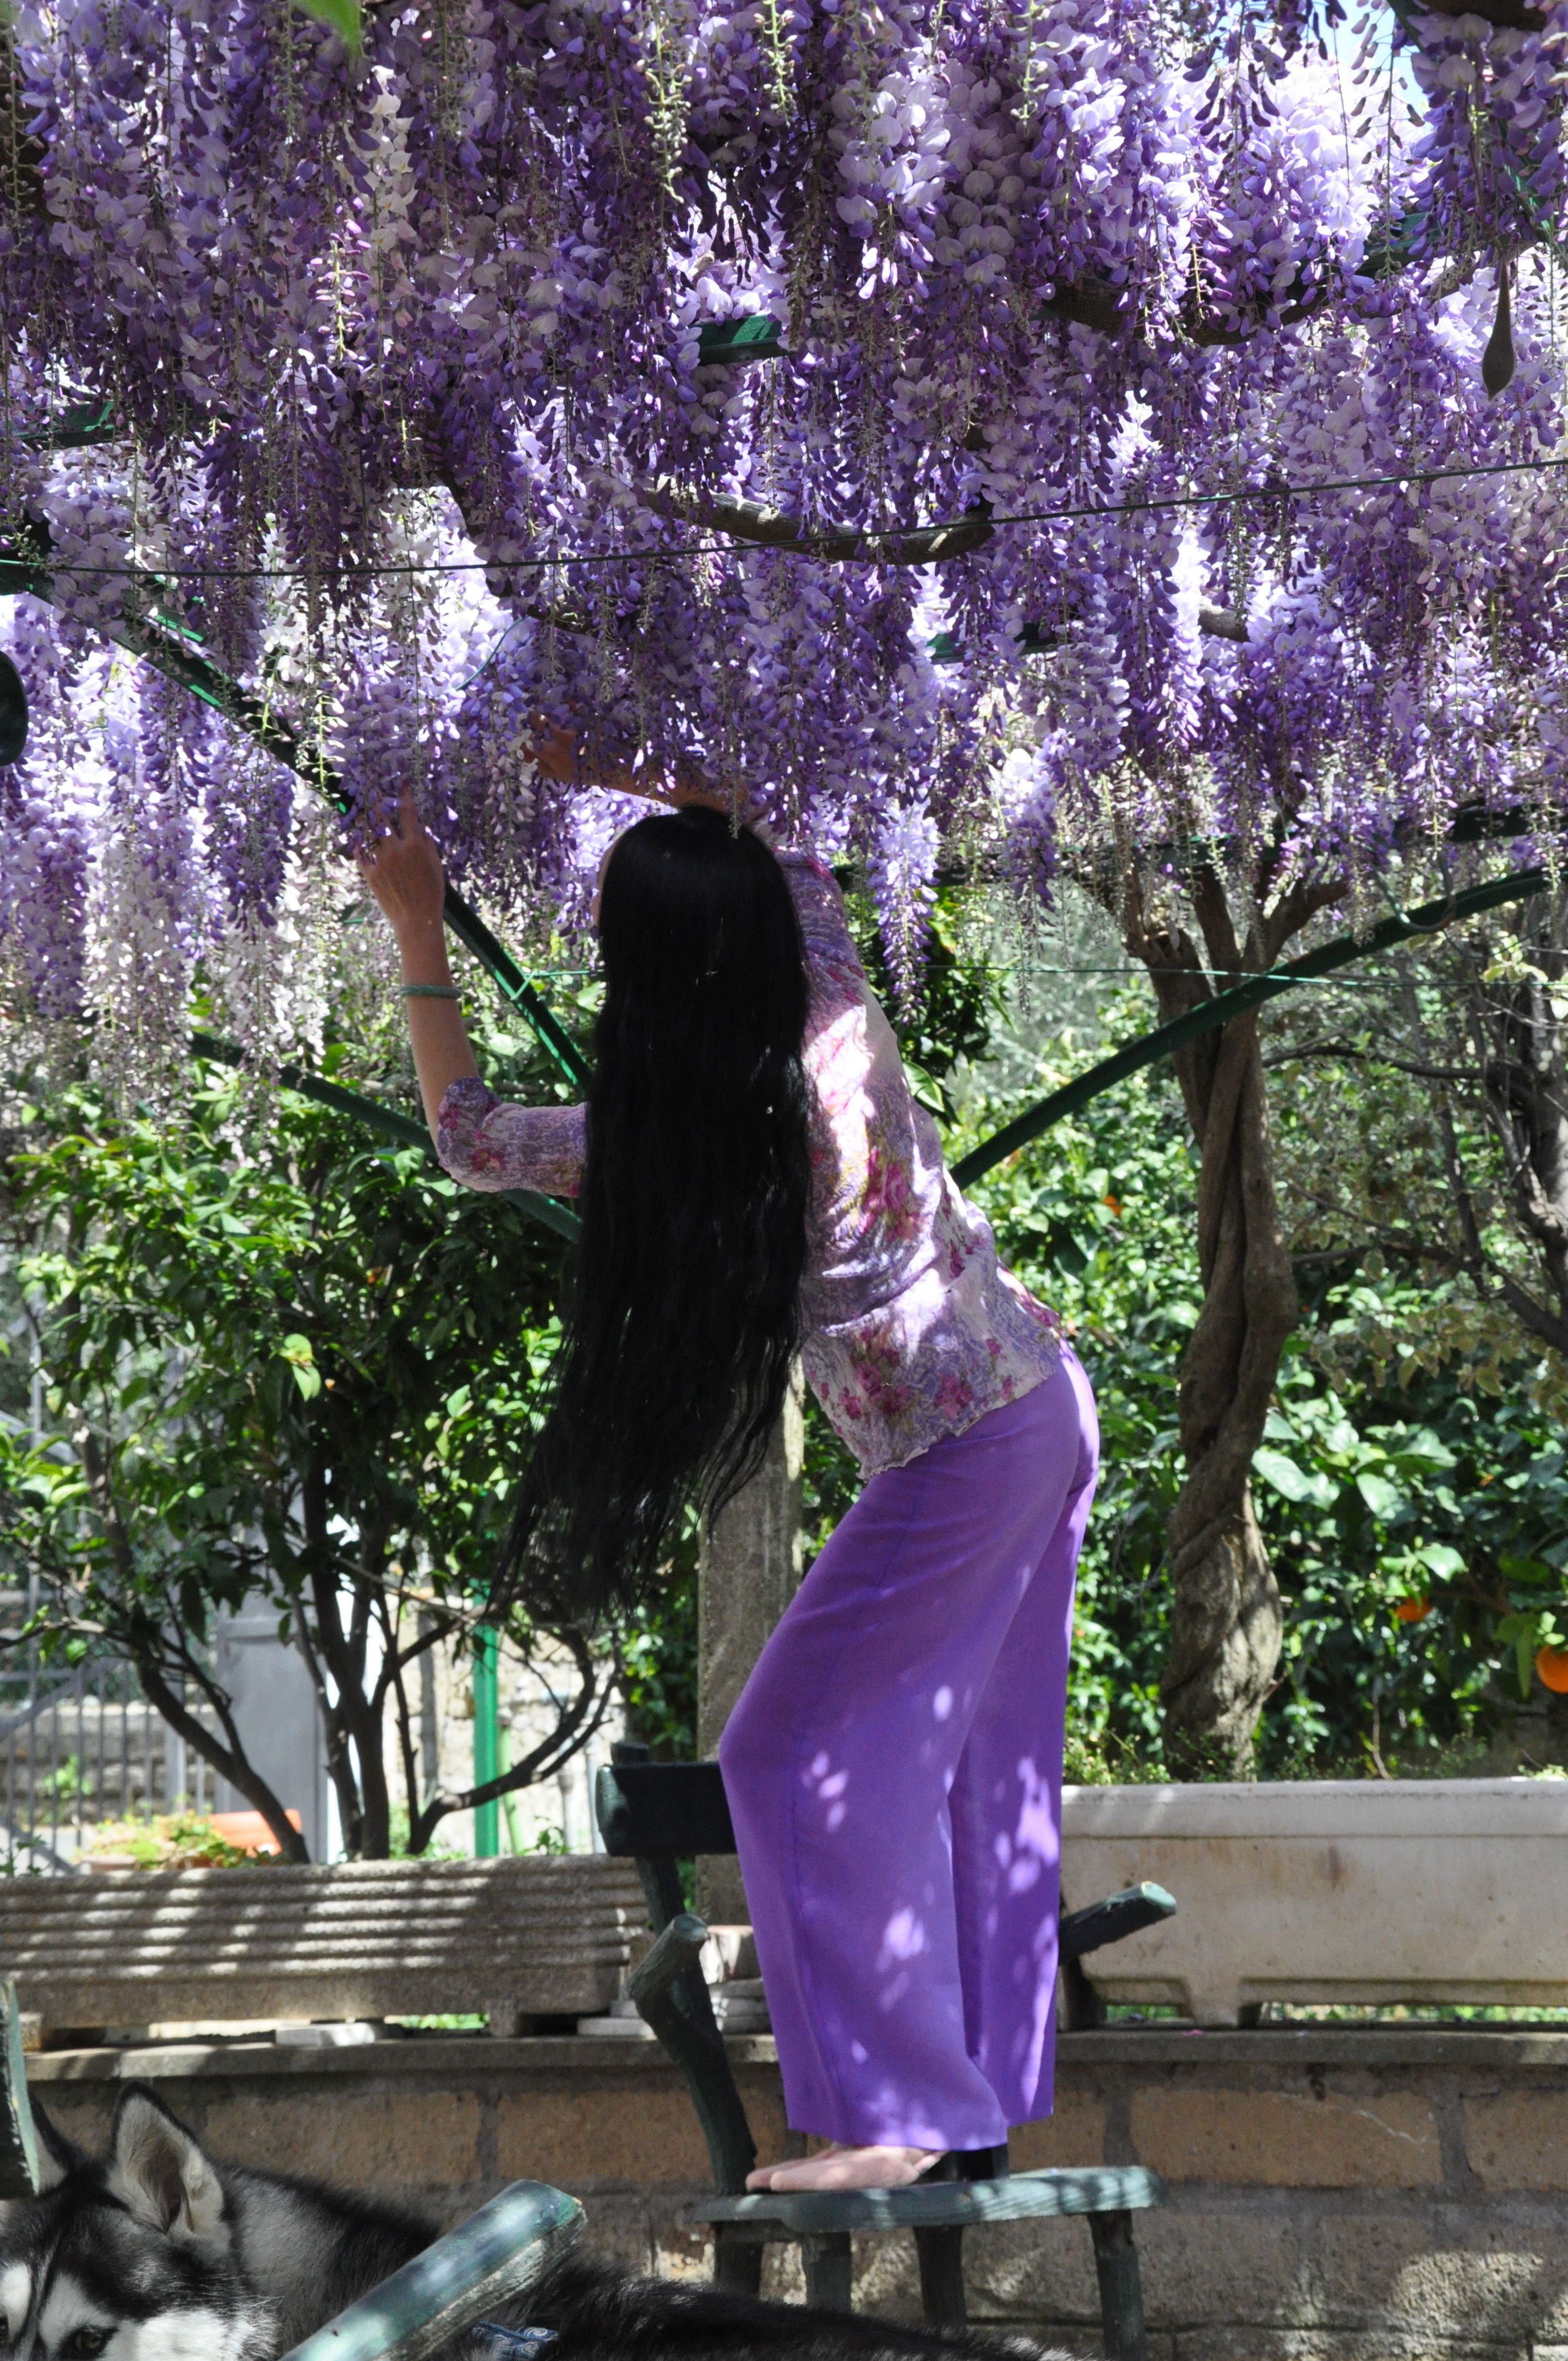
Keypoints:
(417, 423)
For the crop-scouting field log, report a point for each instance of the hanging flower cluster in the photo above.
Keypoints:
(901, 404)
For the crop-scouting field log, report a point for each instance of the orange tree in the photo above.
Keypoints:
(279, 1358)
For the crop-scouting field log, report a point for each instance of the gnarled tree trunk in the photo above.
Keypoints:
(1523, 1045)
(1227, 1620)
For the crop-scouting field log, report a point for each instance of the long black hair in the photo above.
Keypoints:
(683, 1317)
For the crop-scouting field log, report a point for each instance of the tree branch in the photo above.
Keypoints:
(230, 1762)
(571, 1734)
(145, 1645)
(1339, 1049)
(776, 529)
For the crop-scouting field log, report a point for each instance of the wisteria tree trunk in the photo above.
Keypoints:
(1227, 1620)
(1522, 1048)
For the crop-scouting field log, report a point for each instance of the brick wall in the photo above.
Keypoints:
(1389, 2192)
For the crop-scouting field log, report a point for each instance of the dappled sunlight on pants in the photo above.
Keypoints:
(894, 1775)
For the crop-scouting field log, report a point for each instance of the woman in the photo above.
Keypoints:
(755, 1176)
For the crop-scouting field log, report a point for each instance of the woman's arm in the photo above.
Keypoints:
(687, 782)
(481, 1141)
(403, 873)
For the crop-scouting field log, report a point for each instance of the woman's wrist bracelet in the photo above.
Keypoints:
(430, 992)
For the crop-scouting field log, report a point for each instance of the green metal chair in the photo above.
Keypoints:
(659, 1813)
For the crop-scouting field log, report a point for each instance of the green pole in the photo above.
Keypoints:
(487, 1746)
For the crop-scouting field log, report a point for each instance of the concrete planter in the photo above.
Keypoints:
(1335, 1890)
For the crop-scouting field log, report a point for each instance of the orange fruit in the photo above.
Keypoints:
(1412, 1610)
(1551, 1663)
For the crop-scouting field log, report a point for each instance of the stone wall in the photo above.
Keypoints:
(559, 1809)
(1380, 2192)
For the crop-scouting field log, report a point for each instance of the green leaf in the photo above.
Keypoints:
(1384, 1499)
(298, 1352)
(1443, 1560)
(1425, 1449)
(340, 16)
(1292, 1482)
(1531, 1572)
(1522, 1634)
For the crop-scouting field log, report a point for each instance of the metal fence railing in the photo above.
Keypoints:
(78, 1748)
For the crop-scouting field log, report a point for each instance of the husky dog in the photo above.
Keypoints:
(157, 2253)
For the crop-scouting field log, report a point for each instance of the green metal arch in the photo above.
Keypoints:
(173, 649)
(1430, 918)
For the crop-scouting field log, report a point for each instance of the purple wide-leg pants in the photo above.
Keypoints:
(893, 1769)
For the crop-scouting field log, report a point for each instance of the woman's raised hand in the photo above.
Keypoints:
(404, 874)
(556, 753)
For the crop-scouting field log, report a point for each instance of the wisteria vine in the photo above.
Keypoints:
(395, 382)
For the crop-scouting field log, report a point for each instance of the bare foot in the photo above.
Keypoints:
(854, 2167)
(763, 2176)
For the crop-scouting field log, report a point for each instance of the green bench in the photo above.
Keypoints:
(660, 1814)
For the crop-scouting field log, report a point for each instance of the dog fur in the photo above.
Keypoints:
(156, 2252)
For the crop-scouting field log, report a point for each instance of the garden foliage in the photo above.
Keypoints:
(280, 1359)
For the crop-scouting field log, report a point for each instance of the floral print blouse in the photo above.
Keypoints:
(915, 1330)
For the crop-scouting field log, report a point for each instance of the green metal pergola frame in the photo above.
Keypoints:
(1404, 925)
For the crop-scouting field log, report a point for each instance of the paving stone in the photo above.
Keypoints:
(887, 2277)
(1224, 2265)
(1035, 2270)
(599, 2138)
(413, 2143)
(1074, 2134)
(619, 2231)
(1409, 2273)
(1226, 2344)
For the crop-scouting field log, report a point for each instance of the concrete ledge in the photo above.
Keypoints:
(1504, 2049)
(1328, 2043)
(623, 2064)
(1358, 1890)
(1337, 2193)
